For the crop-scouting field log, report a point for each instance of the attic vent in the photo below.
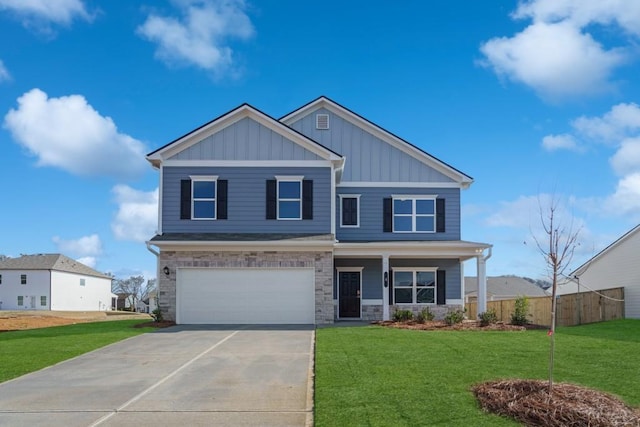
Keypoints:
(322, 121)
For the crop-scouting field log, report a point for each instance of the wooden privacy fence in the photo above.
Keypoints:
(572, 309)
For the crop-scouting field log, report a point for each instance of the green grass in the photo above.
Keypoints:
(375, 376)
(22, 352)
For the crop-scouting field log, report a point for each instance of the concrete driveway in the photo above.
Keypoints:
(180, 376)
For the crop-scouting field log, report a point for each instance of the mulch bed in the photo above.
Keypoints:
(529, 402)
(163, 324)
(438, 325)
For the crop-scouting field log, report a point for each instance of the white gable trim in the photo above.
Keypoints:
(401, 184)
(378, 132)
(244, 111)
(628, 235)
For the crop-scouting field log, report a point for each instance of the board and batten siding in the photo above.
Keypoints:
(246, 200)
(371, 214)
(369, 159)
(246, 140)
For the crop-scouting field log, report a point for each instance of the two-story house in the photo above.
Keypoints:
(318, 216)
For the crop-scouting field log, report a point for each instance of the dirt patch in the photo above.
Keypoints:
(529, 402)
(468, 325)
(21, 320)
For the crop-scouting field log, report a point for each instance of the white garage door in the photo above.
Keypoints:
(245, 296)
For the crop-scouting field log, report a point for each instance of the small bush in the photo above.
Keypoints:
(454, 317)
(425, 315)
(156, 315)
(519, 316)
(489, 317)
(402, 315)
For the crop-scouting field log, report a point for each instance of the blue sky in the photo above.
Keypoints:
(531, 99)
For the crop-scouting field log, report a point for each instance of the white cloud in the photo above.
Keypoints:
(38, 15)
(556, 55)
(70, 134)
(4, 73)
(86, 246)
(89, 261)
(560, 142)
(621, 121)
(201, 36)
(137, 215)
(556, 60)
(627, 159)
(518, 213)
(625, 201)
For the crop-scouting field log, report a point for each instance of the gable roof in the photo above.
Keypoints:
(323, 102)
(55, 262)
(245, 110)
(628, 235)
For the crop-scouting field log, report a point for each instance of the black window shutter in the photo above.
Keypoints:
(221, 199)
(307, 199)
(185, 199)
(387, 211)
(442, 287)
(440, 216)
(390, 287)
(271, 199)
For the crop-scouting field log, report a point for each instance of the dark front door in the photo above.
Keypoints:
(349, 298)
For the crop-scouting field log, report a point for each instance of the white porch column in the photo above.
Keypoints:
(482, 281)
(385, 286)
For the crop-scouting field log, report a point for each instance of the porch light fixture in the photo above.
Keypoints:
(386, 279)
(166, 270)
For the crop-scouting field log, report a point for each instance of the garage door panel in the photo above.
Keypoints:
(243, 296)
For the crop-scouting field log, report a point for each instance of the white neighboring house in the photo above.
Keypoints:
(616, 266)
(52, 282)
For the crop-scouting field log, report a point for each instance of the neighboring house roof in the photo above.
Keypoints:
(356, 119)
(504, 286)
(628, 235)
(233, 116)
(55, 262)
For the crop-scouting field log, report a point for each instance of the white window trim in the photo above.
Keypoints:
(350, 196)
(18, 300)
(414, 288)
(413, 214)
(279, 179)
(45, 300)
(26, 280)
(206, 178)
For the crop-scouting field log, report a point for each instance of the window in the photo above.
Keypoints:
(23, 279)
(82, 282)
(414, 215)
(20, 300)
(289, 198)
(43, 300)
(0, 279)
(349, 210)
(203, 197)
(414, 286)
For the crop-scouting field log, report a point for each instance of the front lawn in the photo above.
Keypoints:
(377, 376)
(26, 351)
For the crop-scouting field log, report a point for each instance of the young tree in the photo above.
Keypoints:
(557, 250)
(135, 288)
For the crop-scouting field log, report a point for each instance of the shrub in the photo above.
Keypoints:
(519, 316)
(425, 315)
(454, 317)
(402, 315)
(489, 317)
(157, 315)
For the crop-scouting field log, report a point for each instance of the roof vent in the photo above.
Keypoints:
(322, 121)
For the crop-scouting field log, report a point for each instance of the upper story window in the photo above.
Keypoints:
(289, 197)
(82, 282)
(203, 197)
(349, 210)
(23, 279)
(0, 279)
(414, 215)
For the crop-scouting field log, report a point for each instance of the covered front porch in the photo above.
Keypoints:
(373, 279)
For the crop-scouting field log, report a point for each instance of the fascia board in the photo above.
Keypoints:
(464, 180)
(463, 250)
(584, 267)
(306, 245)
(229, 119)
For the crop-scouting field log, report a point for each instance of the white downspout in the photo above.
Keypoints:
(482, 281)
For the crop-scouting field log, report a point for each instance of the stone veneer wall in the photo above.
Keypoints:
(322, 262)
